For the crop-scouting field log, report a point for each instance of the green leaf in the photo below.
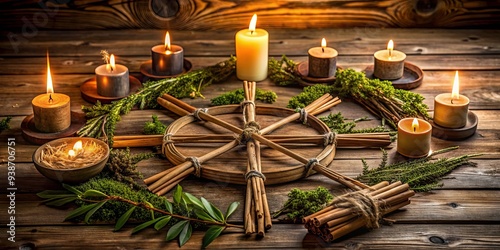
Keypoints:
(178, 194)
(79, 211)
(124, 218)
(185, 234)
(145, 225)
(163, 221)
(93, 210)
(169, 207)
(48, 194)
(175, 230)
(203, 215)
(151, 211)
(94, 193)
(72, 189)
(232, 207)
(212, 233)
(212, 210)
(193, 200)
(62, 201)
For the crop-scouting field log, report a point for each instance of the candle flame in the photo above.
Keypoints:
(111, 62)
(414, 125)
(323, 44)
(168, 47)
(390, 48)
(253, 23)
(71, 153)
(50, 88)
(78, 146)
(454, 92)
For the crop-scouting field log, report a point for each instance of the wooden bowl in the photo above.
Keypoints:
(76, 175)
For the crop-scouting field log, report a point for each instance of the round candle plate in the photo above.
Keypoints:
(412, 76)
(303, 72)
(89, 91)
(456, 134)
(147, 70)
(32, 135)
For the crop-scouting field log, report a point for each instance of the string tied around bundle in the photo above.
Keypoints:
(254, 173)
(330, 138)
(303, 115)
(309, 166)
(196, 165)
(250, 128)
(197, 111)
(363, 204)
(167, 138)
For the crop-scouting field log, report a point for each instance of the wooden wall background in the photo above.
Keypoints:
(29, 15)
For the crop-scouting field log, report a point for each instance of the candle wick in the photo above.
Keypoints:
(251, 32)
(111, 69)
(323, 49)
(50, 98)
(414, 129)
(452, 101)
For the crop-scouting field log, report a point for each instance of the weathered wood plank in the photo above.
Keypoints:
(357, 41)
(463, 236)
(226, 15)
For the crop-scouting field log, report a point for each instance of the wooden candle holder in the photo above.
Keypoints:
(456, 134)
(147, 70)
(303, 72)
(34, 136)
(89, 91)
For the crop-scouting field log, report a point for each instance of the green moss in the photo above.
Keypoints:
(302, 203)
(155, 127)
(237, 96)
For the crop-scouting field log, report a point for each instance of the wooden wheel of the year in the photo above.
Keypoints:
(230, 167)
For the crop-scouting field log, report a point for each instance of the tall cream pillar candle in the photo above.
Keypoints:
(252, 53)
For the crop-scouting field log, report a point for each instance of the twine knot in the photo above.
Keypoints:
(330, 138)
(197, 111)
(196, 165)
(303, 115)
(363, 204)
(250, 128)
(167, 138)
(309, 166)
(254, 173)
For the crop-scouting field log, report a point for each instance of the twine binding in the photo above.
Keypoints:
(196, 165)
(254, 173)
(197, 111)
(309, 166)
(364, 205)
(330, 138)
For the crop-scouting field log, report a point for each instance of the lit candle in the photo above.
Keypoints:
(112, 79)
(51, 111)
(389, 64)
(252, 52)
(168, 59)
(322, 61)
(414, 137)
(77, 149)
(450, 110)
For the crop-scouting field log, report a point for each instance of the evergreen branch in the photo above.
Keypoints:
(422, 174)
(4, 124)
(102, 119)
(337, 123)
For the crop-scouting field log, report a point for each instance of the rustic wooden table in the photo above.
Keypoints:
(465, 212)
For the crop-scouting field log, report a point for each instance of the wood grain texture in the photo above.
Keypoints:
(234, 14)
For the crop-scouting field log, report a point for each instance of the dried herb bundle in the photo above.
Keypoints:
(422, 174)
(102, 119)
(301, 203)
(122, 165)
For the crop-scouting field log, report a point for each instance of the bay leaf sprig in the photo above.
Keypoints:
(102, 119)
(198, 210)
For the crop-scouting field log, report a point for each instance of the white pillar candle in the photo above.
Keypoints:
(389, 64)
(322, 61)
(252, 53)
(414, 137)
(451, 109)
(112, 79)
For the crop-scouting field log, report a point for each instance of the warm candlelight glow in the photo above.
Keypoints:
(253, 23)
(71, 153)
(323, 44)
(77, 146)
(414, 125)
(390, 48)
(454, 92)
(168, 48)
(112, 62)
(50, 88)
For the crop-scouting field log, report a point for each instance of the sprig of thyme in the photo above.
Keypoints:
(102, 119)
(237, 96)
(186, 212)
(337, 123)
(421, 174)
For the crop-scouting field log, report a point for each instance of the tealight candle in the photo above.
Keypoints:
(167, 59)
(112, 79)
(389, 64)
(51, 111)
(414, 137)
(451, 109)
(252, 52)
(322, 61)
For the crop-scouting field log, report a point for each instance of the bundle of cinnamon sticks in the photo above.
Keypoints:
(342, 218)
